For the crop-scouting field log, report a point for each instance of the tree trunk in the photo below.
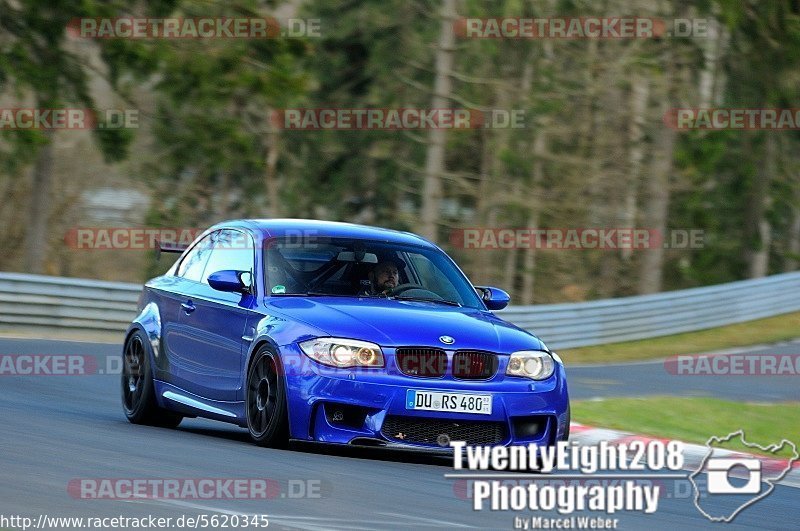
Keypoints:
(708, 75)
(36, 245)
(760, 230)
(512, 254)
(794, 241)
(270, 178)
(611, 189)
(529, 264)
(220, 201)
(529, 256)
(434, 160)
(538, 148)
(496, 214)
(639, 98)
(367, 214)
(652, 264)
(482, 257)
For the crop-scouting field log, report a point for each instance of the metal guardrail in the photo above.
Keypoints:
(93, 305)
(71, 303)
(645, 316)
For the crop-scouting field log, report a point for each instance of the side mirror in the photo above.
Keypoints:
(230, 280)
(494, 298)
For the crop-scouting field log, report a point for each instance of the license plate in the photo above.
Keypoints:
(453, 402)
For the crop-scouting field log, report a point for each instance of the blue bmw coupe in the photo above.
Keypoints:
(337, 333)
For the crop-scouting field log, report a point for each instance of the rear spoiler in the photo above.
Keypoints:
(168, 248)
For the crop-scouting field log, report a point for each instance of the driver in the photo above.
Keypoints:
(383, 278)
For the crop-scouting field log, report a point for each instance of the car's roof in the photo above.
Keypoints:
(277, 228)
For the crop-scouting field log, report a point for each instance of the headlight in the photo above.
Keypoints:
(336, 352)
(532, 364)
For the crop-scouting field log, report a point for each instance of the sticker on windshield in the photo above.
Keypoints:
(279, 289)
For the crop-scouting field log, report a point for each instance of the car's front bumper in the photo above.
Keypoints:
(368, 407)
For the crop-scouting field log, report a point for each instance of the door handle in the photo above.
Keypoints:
(188, 307)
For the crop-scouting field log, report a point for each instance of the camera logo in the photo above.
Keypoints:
(736, 480)
(720, 471)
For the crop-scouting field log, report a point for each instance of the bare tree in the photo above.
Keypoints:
(759, 229)
(658, 191)
(434, 159)
(36, 243)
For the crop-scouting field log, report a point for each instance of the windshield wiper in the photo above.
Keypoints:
(427, 299)
(368, 295)
(310, 294)
(326, 294)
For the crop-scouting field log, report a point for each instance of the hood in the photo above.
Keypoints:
(394, 323)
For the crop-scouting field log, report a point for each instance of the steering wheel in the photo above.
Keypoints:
(402, 288)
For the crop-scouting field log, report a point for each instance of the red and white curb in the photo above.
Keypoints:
(693, 453)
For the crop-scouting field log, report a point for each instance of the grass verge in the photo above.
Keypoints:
(694, 419)
(770, 330)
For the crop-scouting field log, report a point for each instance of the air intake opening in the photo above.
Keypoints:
(345, 416)
(530, 428)
(439, 432)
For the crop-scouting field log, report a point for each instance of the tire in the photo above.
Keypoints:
(569, 419)
(265, 403)
(138, 392)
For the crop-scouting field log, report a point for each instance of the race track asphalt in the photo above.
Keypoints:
(54, 429)
(653, 378)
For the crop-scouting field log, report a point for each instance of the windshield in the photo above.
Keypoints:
(364, 268)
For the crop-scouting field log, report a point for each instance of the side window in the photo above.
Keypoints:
(232, 250)
(194, 263)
